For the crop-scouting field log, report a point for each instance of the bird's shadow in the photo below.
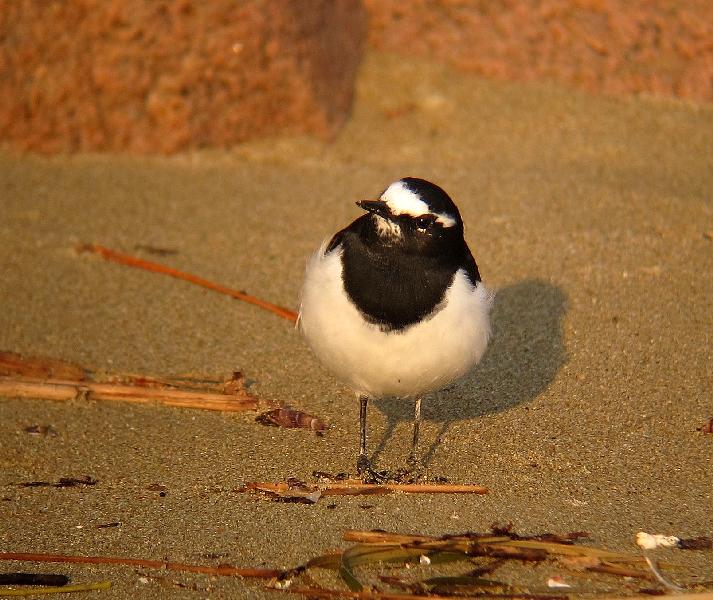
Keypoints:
(525, 353)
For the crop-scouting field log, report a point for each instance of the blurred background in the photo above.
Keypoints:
(167, 76)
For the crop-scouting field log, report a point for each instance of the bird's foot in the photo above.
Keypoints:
(369, 474)
(413, 473)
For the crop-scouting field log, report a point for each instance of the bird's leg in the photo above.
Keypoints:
(364, 466)
(363, 404)
(413, 462)
(414, 470)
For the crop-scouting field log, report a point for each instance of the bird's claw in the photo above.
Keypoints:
(409, 475)
(369, 474)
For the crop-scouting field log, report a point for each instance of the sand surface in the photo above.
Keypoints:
(592, 217)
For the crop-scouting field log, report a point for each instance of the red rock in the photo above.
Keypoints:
(662, 47)
(162, 76)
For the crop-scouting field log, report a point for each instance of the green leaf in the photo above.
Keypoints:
(346, 573)
(81, 587)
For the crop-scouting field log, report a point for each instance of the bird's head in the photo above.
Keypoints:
(416, 215)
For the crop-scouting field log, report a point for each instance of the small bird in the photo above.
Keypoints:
(393, 305)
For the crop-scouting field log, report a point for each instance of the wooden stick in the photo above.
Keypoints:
(385, 537)
(312, 592)
(355, 487)
(225, 570)
(134, 261)
(12, 363)
(58, 389)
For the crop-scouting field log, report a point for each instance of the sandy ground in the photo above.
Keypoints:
(591, 216)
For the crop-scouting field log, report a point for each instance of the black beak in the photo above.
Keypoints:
(375, 207)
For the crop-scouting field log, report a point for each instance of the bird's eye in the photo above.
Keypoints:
(424, 222)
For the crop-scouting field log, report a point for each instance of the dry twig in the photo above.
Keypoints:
(51, 379)
(660, 577)
(24, 387)
(40, 367)
(498, 545)
(355, 487)
(226, 570)
(134, 261)
(314, 592)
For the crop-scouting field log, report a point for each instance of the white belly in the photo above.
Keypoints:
(418, 359)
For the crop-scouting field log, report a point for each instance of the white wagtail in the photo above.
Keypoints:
(393, 304)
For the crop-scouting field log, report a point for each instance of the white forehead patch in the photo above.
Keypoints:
(402, 201)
